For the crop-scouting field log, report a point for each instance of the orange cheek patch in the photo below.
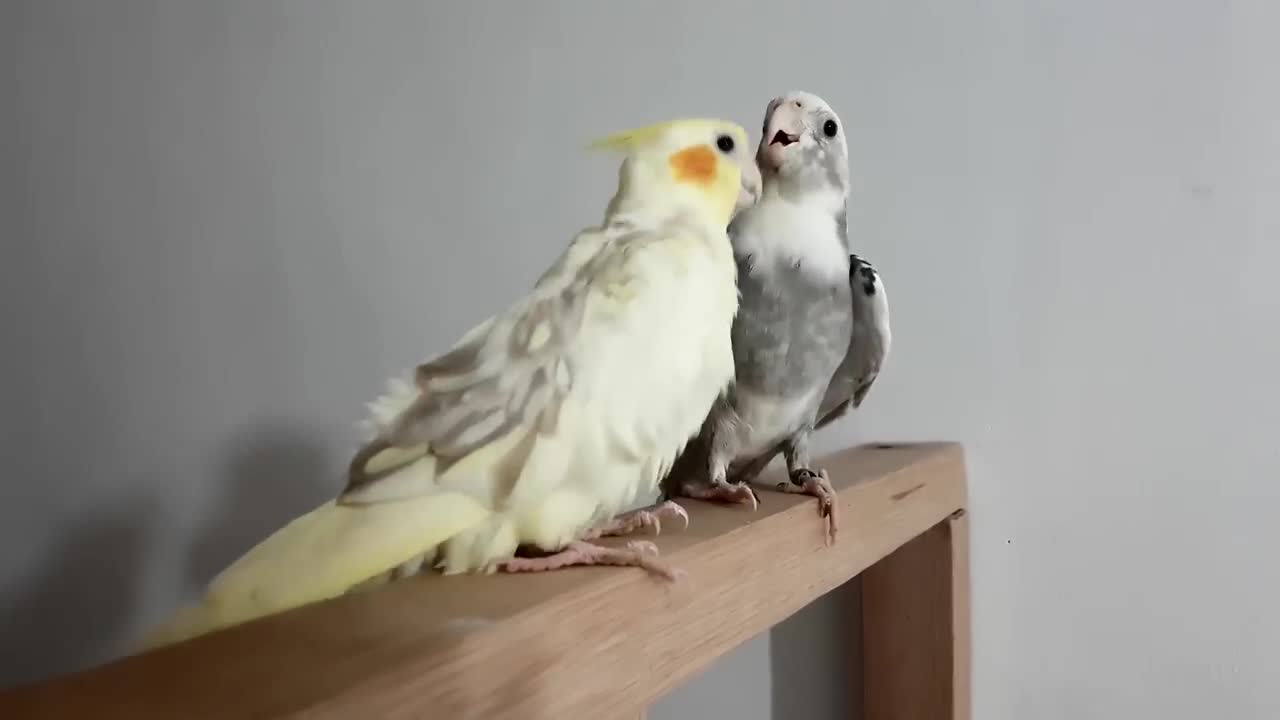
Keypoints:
(695, 165)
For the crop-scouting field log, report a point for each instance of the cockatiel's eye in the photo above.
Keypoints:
(829, 128)
(725, 143)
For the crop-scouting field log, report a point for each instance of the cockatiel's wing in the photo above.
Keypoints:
(511, 372)
(868, 343)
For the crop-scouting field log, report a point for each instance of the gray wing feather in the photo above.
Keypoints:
(514, 369)
(868, 344)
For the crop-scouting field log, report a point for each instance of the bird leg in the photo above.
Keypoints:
(748, 472)
(717, 488)
(637, 553)
(644, 518)
(807, 481)
(701, 471)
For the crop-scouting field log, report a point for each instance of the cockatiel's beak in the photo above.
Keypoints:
(751, 184)
(782, 130)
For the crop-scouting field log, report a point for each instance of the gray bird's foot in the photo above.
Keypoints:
(808, 482)
(642, 519)
(637, 553)
(723, 492)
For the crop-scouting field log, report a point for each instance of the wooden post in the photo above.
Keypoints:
(915, 628)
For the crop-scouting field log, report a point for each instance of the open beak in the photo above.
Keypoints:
(783, 130)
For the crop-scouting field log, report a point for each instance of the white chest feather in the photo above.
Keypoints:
(781, 231)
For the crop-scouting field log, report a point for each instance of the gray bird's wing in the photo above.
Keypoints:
(868, 344)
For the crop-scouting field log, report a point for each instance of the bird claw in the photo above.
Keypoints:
(808, 482)
(646, 518)
(670, 510)
(725, 492)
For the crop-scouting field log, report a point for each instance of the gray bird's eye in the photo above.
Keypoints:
(829, 128)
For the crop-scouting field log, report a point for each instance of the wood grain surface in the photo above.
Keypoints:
(577, 643)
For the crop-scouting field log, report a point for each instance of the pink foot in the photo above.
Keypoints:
(807, 482)
(637, 553)
(645, 518)
(723, 492)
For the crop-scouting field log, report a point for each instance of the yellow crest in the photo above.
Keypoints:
(631, 139)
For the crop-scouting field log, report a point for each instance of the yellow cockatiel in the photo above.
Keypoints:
(544, 421)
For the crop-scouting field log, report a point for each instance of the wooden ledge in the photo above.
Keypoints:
(584, 642)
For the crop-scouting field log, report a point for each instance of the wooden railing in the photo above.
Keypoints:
(592, 642)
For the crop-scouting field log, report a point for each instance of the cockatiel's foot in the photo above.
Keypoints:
(816, 483)
(723, 492)
(642, 519)
(637, 553)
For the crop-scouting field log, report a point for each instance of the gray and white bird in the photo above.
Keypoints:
(812, 328)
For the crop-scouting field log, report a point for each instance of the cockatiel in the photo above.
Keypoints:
(543, 422)
(812, 329)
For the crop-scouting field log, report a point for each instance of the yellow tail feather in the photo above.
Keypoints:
(321, 555)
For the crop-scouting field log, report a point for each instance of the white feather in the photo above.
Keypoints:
(781, 230)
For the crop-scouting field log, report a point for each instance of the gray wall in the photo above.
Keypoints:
(226, 222)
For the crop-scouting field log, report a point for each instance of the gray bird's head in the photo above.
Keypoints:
(803, 149)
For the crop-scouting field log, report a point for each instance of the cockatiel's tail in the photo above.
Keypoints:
(543, 421)
(315, 558)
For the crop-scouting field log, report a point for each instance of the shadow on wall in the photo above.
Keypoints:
(273, 473)
(74, 610)
(81, 607)
(815, 658)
